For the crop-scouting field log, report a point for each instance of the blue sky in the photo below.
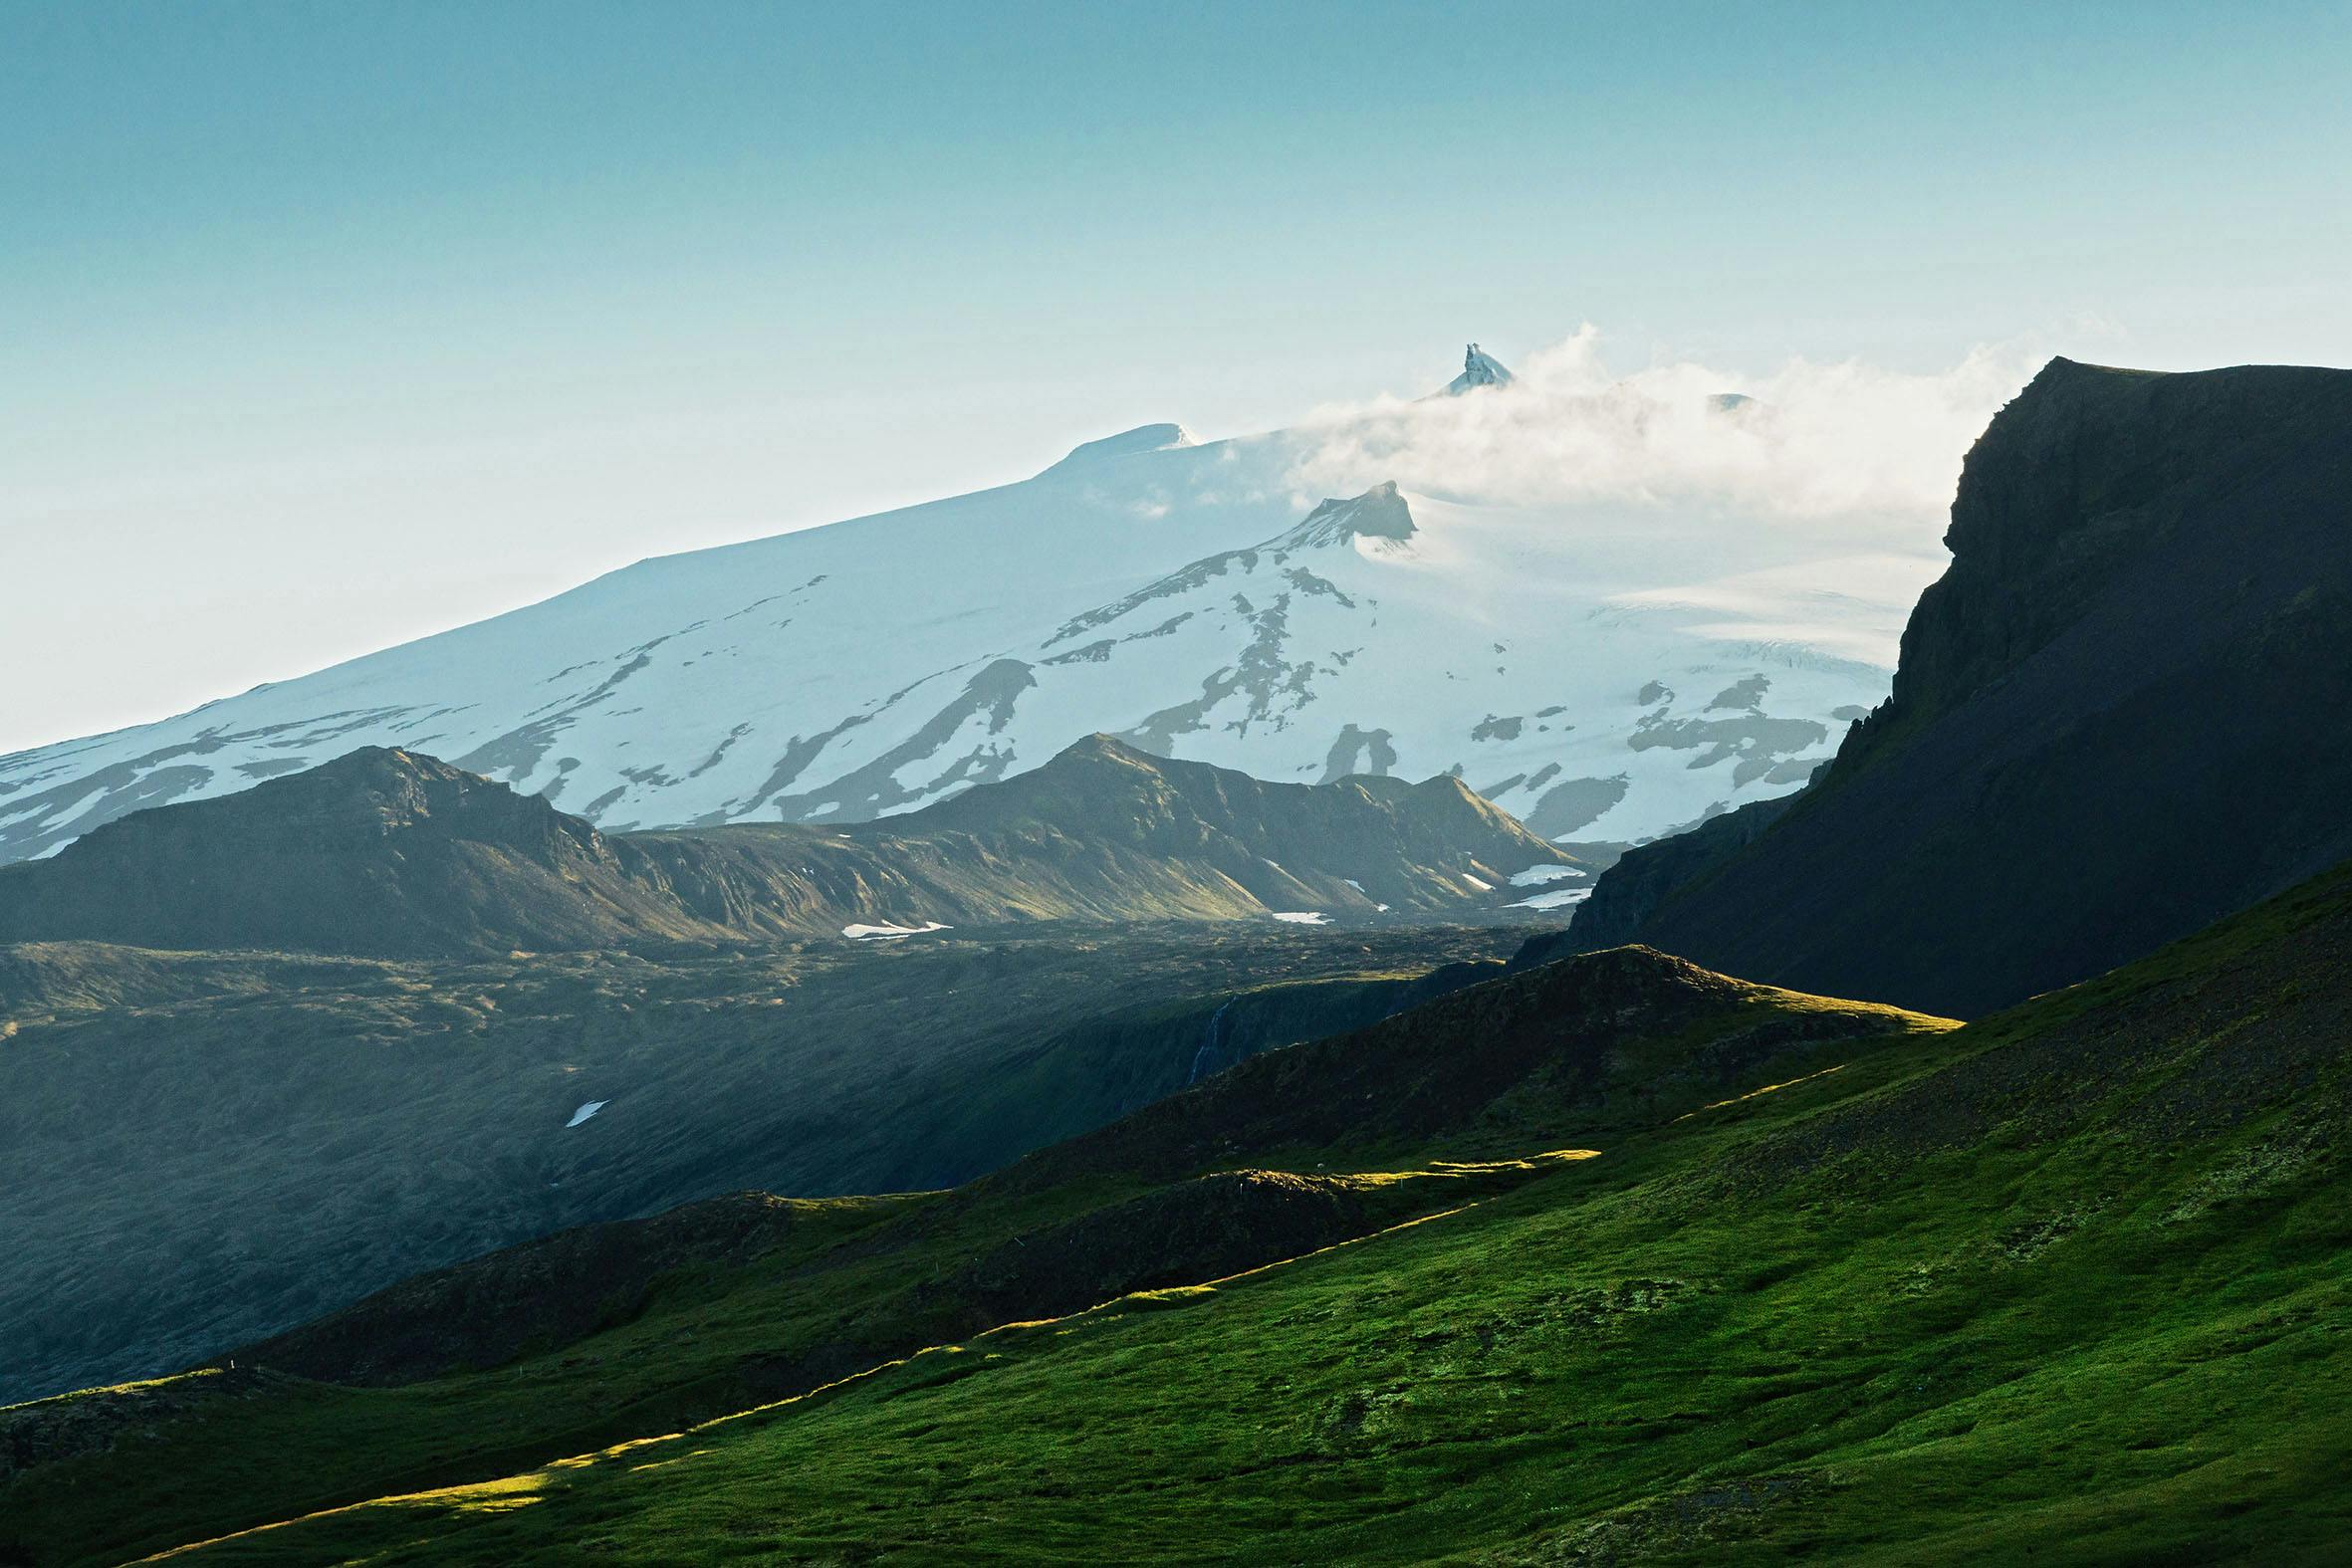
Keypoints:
(330, 325)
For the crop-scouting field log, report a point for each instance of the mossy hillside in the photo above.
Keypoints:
(716, 1335)
(1966, 1360)
(110, 1473)
(2070, 1285)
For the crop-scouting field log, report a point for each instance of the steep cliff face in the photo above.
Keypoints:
(1623, 901)
(2118, 717)
(2087, 470)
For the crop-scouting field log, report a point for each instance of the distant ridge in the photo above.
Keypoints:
(394, 853)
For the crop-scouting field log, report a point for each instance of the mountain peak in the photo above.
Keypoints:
(1127, 443)
(1347, 845)
(1478, 368)
(385, 788)
(380, 852)
(1378, 513)
(383, 763)
(1101, 745)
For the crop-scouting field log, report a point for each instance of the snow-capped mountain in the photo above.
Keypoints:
(1605, 671)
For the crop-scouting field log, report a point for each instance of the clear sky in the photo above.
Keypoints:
(322, 326)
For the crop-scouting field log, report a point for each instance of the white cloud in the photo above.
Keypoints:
(1821, 442)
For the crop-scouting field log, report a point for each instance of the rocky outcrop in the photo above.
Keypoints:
(1478, 368)
(2117, 718)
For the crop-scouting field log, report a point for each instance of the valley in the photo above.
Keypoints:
(290, 1133)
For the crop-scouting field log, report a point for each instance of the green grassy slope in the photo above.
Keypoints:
(723, 1306)
(2066, 1285)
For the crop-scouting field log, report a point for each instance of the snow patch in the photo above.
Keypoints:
(586, 1111)
(864, 933)
(1558, 898)
(1303, 917)
(1143, 439)
(1537, 876)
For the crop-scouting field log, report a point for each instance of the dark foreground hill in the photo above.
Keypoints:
(200, 1149)
(2118, 717)
(1612, 1260)
(397, 854)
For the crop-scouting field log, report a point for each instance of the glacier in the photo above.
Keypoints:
(1607, 670)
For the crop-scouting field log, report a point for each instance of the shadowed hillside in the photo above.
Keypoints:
(786, 1297)
(289, 1133)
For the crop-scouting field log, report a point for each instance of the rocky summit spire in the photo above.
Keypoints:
(1478, 369)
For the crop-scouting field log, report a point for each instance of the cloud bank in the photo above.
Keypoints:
(1812, 442)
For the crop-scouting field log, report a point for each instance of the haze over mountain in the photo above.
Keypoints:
(1609, 657)
(2118, 717)
(390, 853)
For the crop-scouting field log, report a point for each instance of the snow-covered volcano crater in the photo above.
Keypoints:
(1606, 671)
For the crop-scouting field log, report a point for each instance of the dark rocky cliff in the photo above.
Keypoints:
(2119, 716)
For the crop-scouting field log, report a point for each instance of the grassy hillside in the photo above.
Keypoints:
(754, 1300)
(1647, 1266)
